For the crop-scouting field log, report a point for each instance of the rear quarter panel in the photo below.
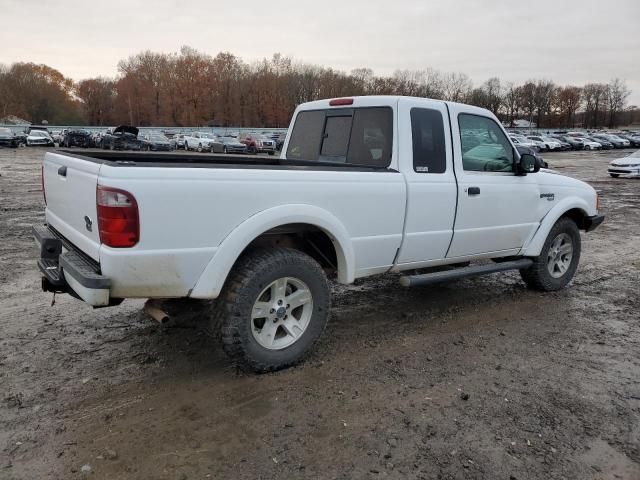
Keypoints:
(187, 213)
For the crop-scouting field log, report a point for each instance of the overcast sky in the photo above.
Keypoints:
(568, 41)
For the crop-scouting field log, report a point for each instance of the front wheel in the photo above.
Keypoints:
(558, 261)
(614, 175)
(199, 148)
(274, 308)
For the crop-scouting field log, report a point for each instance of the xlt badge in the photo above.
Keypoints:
(549, 196)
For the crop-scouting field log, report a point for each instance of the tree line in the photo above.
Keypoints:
(191, 88)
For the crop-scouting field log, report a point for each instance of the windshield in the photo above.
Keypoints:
(5, 131)
(159, 138)
(39, 134)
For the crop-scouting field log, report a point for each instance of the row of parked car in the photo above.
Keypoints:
(559, 141)
(126, 137)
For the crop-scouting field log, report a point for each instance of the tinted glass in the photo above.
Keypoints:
(304, 143)
(485, 148)
(336, 138)
(429, 151)
(357, 136)
(371, 137)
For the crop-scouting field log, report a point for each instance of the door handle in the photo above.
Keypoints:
(473, 190)
(62, 171)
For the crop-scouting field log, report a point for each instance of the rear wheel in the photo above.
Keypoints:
(274, 307)
(186, 146)
(199, 148)
(558, 261)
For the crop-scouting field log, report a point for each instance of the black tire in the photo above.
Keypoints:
(199, 148)
(253, 272)
(271, 152)
(538, 276)
(614, 175)
(186, 146)
(253, 150)
(224, 149)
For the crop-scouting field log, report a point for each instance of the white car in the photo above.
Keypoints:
(542, 146)
(199, 141)
(549, 143)
(626, 167)
(589, 144)
(400, 192)
(39, 138)
(524, 142)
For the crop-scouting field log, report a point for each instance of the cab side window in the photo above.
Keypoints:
(429, 150)
(485, 148)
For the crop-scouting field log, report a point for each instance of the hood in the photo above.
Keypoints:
(126, 129)
(633, 159)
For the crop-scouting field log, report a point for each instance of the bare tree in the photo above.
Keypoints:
(617, 94)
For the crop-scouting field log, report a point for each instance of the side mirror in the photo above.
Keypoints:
(527, 164)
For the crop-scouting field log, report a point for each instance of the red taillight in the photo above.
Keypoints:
(118, 221)
(340, 101)
(44, 193)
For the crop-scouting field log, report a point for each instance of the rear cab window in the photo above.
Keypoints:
(352, 136)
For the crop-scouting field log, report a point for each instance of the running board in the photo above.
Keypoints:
(465, 272)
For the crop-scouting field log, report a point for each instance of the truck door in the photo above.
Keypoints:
(497, 209)
(426, 160)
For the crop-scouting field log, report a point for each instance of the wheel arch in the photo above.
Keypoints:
(574, 208)
(268, 222)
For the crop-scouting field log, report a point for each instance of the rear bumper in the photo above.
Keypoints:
(65, 269)
(591, 223)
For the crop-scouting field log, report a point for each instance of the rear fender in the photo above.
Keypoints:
(215, 273)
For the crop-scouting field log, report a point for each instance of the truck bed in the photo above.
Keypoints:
(205, 160)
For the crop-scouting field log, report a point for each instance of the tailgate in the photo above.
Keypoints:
(70, 189)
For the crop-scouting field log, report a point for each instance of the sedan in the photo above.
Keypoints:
(626, 167)
(39, 138)
(590, 144)
(156, 142)
(8, 138)
(228, 145)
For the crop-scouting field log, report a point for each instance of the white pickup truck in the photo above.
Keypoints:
(364, 186)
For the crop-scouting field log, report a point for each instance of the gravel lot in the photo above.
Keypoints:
(553, 380)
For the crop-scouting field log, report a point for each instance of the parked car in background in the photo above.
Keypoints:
(537, 141)
(178, 141)
(616, 141)
(549, 143)
(626, 167)
(589, 144)
(604, 143)
(575, 143)
(564, 146)
(198, 141)
(39, 138)
(77, 138)
(9, 139)
(258, 143)
(123, 137)
(633, 141)
(155, 142)
(58, 136)
(520, 140)
(228, 145)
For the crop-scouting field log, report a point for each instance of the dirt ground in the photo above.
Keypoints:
(476, 379)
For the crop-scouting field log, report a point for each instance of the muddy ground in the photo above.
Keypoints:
(553, 380)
